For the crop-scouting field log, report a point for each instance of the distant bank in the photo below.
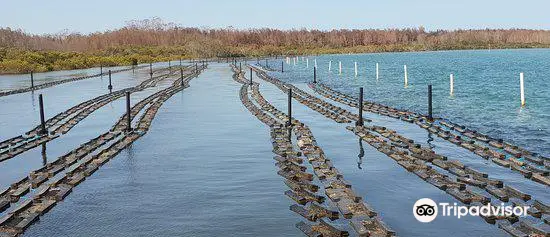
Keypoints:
(142, 42)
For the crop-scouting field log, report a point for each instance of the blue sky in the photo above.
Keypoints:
(51, 16)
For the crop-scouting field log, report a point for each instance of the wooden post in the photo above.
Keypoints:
(128, 113)
(43, 130)
(377, 74)
(521, 89)
(151, 70)
(360, 121)
(101, 69)
(452, 84)
(430, 116)
(406, 76)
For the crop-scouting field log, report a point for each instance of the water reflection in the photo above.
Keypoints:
(131, 164)
(33, 102)
(44, 155)
(430, 140)
(361, 154)
(290, 134)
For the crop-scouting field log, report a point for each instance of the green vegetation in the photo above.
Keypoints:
(13, 60)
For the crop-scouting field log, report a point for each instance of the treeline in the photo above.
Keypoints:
(153, 40)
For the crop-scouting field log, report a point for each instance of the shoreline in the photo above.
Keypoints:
(127, 58)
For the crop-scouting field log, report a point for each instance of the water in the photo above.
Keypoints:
(18, 81)
(486, 91)
(384, 184)
(205, 168)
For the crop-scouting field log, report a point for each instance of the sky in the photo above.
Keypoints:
(53, 16)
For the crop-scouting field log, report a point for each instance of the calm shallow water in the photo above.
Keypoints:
(205, 168)
(18, 81)
(486, 92)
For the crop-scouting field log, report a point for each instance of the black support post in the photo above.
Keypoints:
(101, 69)
(44, 155)
(32, 80)
(282, 66)
(110, 87)
(360, 121)
(151, 70)
(289, 122)
(42, 119)
(240, 67)
(314, 75)
(128, 113)
(181, 74)
(430, 116)
(250, 76)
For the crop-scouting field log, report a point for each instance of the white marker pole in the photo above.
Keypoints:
(340, 67)
(315, 62)
(307, 62)
(377, 75)
(294, 59)
(452, 79)
(355, 69)
(406, 76)
(522, 92)
(329, 64)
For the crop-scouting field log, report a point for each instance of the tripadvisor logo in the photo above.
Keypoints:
(426, 210)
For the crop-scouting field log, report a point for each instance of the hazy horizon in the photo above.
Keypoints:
(102, 15)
